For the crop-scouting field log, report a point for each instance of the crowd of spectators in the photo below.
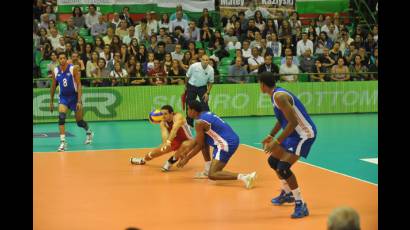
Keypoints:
(119, 51)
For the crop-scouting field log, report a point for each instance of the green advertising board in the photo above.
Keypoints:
(135, 102)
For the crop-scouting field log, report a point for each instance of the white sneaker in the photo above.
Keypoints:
(89, 138)
(62, 147)
(167, 166)
(137, 161)
(201, 175)
(250, 180)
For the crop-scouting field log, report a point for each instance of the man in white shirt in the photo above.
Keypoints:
(142, 31)
(131, 34)
(192, 32)
(92, 17)
(152, 24)
(99, 29)
(255, 61)
(179, 21)
(177, 54)
(326, 26)
(289, 68)
(303, 45)
(246, 51)
(332, 34)
(54, 38)
(115, 22)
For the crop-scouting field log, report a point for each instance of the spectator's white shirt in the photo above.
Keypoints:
(116, 23)
(255, 61)
(293, 69)
(333, 36)
(152, 26)
(301, 47)
(127, 39)
(183, 23)
(163, 25)
(195, 34)
(102, 55)
(138, 32)
(276, 48)
(116, 75)
(344, 45)
(55, 42)
(326, 29)
(90, 20)
(177, 56)
(247, 53)
(251, 13)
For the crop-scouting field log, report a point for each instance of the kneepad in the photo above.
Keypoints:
(61, 118)
(284, 169)
(81, 123)
(273, 162)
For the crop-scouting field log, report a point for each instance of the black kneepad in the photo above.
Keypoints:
(81, 123)
(61, 118)
(273, 162)
(284, 169)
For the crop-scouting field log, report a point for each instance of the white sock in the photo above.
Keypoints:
(207, 166)
(296, 194)
(62, 137)
(285, 186)
(241, 176)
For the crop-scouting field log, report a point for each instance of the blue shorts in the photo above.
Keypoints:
(222, 155)
(69, 101)
(298, 146)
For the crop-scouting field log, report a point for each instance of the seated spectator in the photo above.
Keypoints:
(230, 24)
(238, 53)
(149, 64)
(246, 50)
(169, 45)
(375, 32)
(358, 40)
(327, 23)
(255, 61)
(257, 42)
(343, 218)
(289, 71)
(78, 17)
(253, 7)
(268, 66)
(71, 29)
(125, 15)
(153, 44)
(374, 68)
(164, 22)
(350, 52)
(345, 40)
(363, 54)
(370, 45)
(116, 43)
(358, 70)
(192, 49)
(92, 64)
(110, 35)
(307, 63)
(274, 44)
(237, 74)
(118, 75)
(213, 64)
(335, 52)
(288, 52)
(201, 52)
(50, 12)
(116, 59)
(179, 37)
(115, 21)
(333, 34)
(259, 21)
(269, 28)
(140, 78)
(100, 74)
(142, 32)
(152, 24)
(303, 45)
(318, 72)
(130, 67)
(374, 56)
(219, 50)
(162, 35)
(130, 36)
(174, 15)
(285, 31)
(248, 35)
(99, 44)
(205, 18)
(231, 41)
(76, 61)
(179, 21)
(61, 45)
(206, 33)
(44, 21)
(295, 23)
(106, 54)
(185, 60)
(92, 16)
(141, 55)
(157, 75)
(323, 42)
(326, 60)
(217, 37)
(177, 54)
(264, 50)
(178, 71)
(54, 38)
(50, 73)
(122, 31)
(124, 54)
(100, 28)
(340, 72)
(46, 51)
(167, 62)
(288, 44)
(237, 29)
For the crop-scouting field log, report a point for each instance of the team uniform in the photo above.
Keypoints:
(68, 87)
(301, 139)
(220, 136)
(182, 135)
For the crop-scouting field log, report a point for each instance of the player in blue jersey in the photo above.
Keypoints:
(298, 135)
(68, 78)
(213, 131)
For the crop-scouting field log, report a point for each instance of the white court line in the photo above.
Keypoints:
(321, 168)
(93, 150)
(371, 160)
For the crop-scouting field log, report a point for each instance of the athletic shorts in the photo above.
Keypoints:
(69, 101)
(298, 146)
(222, 155)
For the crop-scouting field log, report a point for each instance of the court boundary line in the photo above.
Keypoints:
(250, 146)
(92, 150)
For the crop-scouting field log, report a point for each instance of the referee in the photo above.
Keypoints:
(200, 78)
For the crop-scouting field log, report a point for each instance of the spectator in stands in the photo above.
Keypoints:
(350, 52)
(259, 21)
(257, 42)
(340, 72)
(130, 67)
(231, 23)
(219, 50)
(255, 61)
(327, 24)
(92, 64)
(201, 51)
(100, 74)
(44, 21)
(246, 50)
(238, 53)
(320, 21)
(76, 61)
(43, 37)
(153, 44)
(268, 66)
(365, 57)
(50, 12)
(140, 78)
(216, 38)
(318, 72)
(157, 75)
(264, 50)
(249, 35)
(37, 9)
(149, 64)
(160, 53)
(192, 49)
(358, 70)
(252, 26)
(323, 42)
(335, 52)
(269, 28)
(71, 29)
(106, 54)
(326, 60)
(116, 59)
(314, 26)
(130, 36)
(177, 54)
(167, 62)
(162, 35)
(179, 37)
(285, 31)
(142, 31)
(358, 40)
(179, 21)
(375, 32)
(345, 40)
(152, 24)
(290, 69)
(185, 60)
(176, 70)
(46, 51)
(359, 31)
(61, 45)
(237, 74)
(312, 36)
(141, 55)
(237, 29)
(78, 17)
(85, 56)
(206, 33)
(118, 75)
(116, 43)
(110, 35)
(252, 8)
(374, 68)
(164, 22)
(294, 22)
(50, 67)
(174, 15)
(274, 44)
(54, 38)
(303, 44)
(333, 34)
(369, 43)
(213, 64)
(122, 31)
(374, 56)
(243, 21)
(92, 16)
(205, 18)
(307, 63)
(124, 54)
(125, 15)
(169, 45)
(231, 41)
(343, 218)
(192, 33)
(115, 21)
(52, 24)
(99, 44)
(289, 52)
(99, 28)
(288, 44)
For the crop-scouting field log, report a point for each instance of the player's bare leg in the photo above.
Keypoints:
(149, 156)
(83, 124)
(216, 172)
(62, 111)
(185, 147)
(207, 158)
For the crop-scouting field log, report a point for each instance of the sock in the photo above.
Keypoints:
(241, 176)
(62, 137)
(296, 194)
(207, 166)
(172, 160)
(285, 186)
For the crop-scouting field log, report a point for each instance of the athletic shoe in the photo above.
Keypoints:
(62, 147)
(201, 175)
(301, 210)
(283, 198)
(89, 138)
(250, 180)
(167, 166)
(137, 161)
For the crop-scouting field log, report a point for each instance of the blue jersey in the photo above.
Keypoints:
(220, 135)
(65, 80)
(305, 128)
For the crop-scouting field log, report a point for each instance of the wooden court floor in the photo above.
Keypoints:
(90, 190)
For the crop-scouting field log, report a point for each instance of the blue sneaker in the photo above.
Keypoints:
(283, 198)
(301, 210)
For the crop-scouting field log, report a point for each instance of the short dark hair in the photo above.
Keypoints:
(61, 53)
(268, 78)
(195, 105)
(161, 43)
(168, 108)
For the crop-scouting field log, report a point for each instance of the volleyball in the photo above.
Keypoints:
(155, 116)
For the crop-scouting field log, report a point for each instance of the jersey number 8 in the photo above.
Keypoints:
(65, 82)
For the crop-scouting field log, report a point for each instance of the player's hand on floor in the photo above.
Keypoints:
(268, 148)
(266, 141)
(165, 147)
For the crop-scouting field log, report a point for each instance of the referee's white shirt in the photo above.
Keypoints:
(198, 76)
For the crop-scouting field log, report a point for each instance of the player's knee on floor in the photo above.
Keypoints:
(61, 118)
(284, 169)
(273, 162)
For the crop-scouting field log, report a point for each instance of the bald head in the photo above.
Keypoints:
(204, 60)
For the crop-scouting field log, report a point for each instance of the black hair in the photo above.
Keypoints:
(268, 78)
(81, 12)
(62, 53)
(195, 105)
(168, 108)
